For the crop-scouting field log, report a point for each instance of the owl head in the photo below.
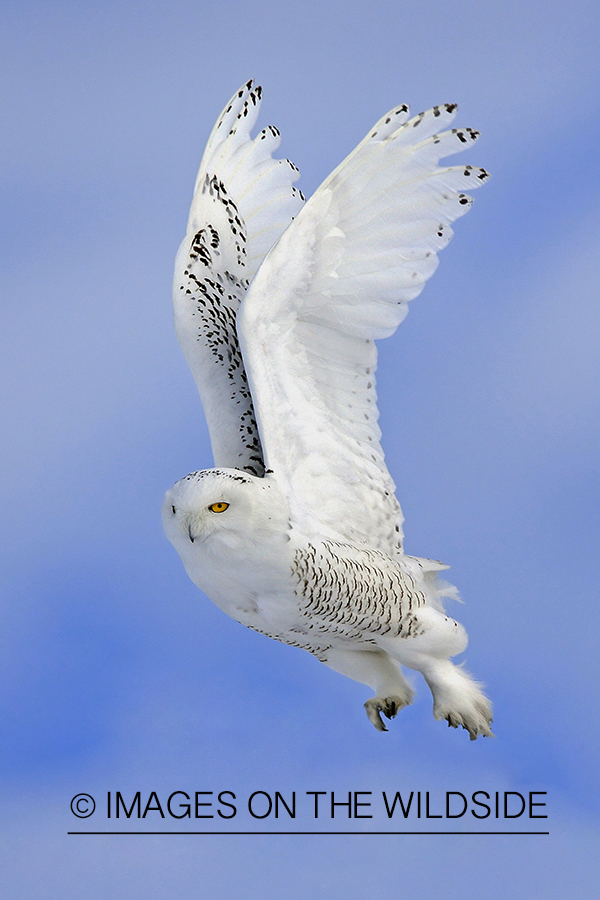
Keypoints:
(218, 507)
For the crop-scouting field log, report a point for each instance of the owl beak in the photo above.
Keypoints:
(195, 529)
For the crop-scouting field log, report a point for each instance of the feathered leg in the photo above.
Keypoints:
(456, 696)
(379, 672)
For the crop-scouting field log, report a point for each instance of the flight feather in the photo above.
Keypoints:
(243, 201)
(340, 277)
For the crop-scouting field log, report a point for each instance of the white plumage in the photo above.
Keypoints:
(297, 533)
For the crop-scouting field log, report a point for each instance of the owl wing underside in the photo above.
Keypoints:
(340, 277)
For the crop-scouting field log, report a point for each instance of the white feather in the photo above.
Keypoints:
(339, 278)
(243, 201)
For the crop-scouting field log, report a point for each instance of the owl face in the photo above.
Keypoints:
(219, 506)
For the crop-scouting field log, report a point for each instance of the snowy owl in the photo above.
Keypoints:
(297, 532)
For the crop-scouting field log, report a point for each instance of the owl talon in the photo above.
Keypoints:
(389, 706)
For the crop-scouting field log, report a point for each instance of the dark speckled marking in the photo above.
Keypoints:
(344, 598)
(351, 598)
(206, 473)
(215, 296)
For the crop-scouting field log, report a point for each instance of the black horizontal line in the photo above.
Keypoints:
(244, 833)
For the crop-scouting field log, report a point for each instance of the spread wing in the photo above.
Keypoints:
(243, 201)
(340, 277)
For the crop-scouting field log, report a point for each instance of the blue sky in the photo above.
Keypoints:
(116, 674)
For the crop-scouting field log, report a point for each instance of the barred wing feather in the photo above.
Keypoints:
(243, 201)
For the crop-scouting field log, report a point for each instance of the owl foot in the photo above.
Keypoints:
(389, 706)
(460, 700)
(477, 720)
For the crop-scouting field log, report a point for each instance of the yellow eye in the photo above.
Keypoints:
(218, 507)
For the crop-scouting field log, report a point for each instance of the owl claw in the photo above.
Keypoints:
(477, 722)
(389, 706)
